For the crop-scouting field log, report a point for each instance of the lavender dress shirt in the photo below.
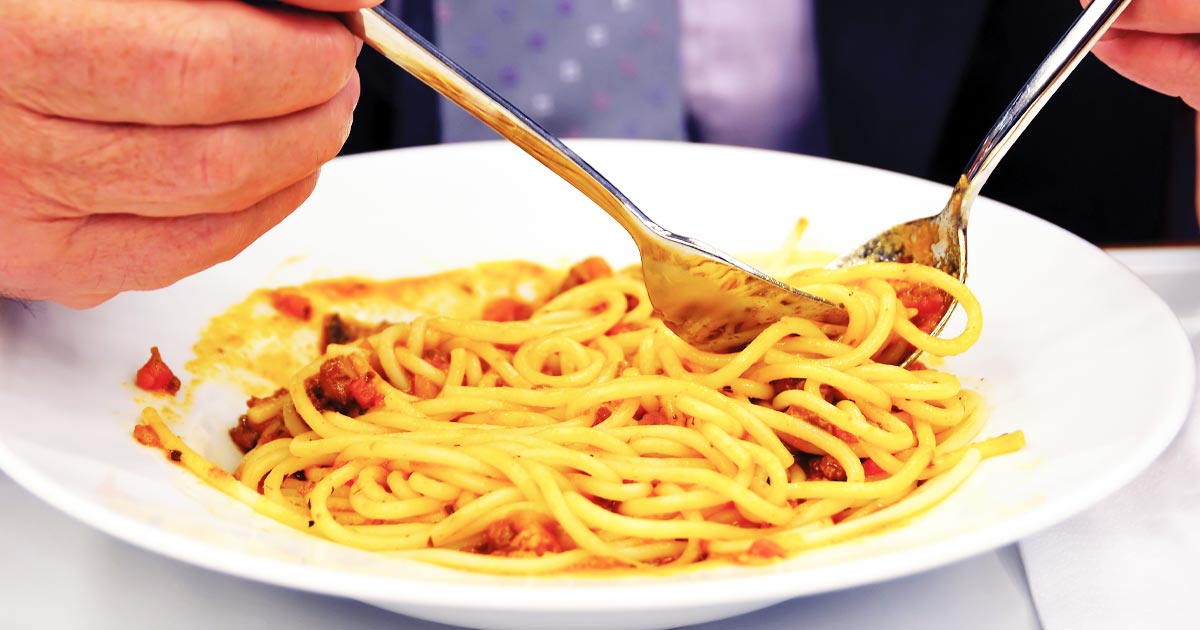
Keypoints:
(748, 73)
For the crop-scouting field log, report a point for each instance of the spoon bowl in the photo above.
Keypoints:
(940, 240)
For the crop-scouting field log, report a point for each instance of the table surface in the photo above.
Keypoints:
(63, 574)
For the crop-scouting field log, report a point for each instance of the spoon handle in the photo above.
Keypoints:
(1054, 69)
(408, 49)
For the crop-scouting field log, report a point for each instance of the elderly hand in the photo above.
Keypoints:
(144, 141)
(1157, 44)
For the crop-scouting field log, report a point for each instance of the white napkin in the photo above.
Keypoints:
(1134, 560)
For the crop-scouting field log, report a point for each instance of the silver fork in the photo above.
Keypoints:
(710, 299)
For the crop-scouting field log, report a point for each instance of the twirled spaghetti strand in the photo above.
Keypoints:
(588, 436)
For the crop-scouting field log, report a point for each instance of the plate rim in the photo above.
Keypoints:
(760, 586)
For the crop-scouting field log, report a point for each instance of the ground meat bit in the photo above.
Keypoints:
(824, 467)
(523, 533)
(819, 422)
(333, 330)
(255, 401)
(249, 433)
(609, 504)
(244, 436)
(340, 330)
(333, 381)
(786, 384)
(506, 309)
(585, 271)
(339, 387)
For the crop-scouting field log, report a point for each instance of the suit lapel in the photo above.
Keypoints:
(890, 72)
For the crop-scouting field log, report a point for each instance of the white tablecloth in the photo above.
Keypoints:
(1132, 561)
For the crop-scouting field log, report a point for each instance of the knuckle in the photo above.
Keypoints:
(329, 40)
(323, 54)
(198, 60)
(215, 168)
(338, 120)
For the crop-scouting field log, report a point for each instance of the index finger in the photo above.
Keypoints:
(172, 62)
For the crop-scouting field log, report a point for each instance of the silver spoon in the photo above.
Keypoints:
(941, 240)
(710, 299)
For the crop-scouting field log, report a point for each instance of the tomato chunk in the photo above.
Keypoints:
(764, 548)
(155, 376)
(364, 392)
(506, 309)
(870, 468)
(928, 301)
(585, 271)
(292, 305)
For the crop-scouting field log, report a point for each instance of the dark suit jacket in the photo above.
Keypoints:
(914, 86)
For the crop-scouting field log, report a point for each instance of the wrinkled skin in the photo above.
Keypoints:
(145, 140)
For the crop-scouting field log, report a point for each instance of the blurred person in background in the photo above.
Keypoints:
(141, 142)
(907, 87)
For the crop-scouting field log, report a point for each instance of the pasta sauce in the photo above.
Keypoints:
(516, 419)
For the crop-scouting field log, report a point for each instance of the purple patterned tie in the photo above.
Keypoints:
(594, 68)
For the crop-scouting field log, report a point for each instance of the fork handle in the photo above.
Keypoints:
(405, 47)
(397, 41)
(1049, 75)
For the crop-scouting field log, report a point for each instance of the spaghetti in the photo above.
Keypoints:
(579, 433)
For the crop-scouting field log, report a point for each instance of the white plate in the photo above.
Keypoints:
(1076, 351)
